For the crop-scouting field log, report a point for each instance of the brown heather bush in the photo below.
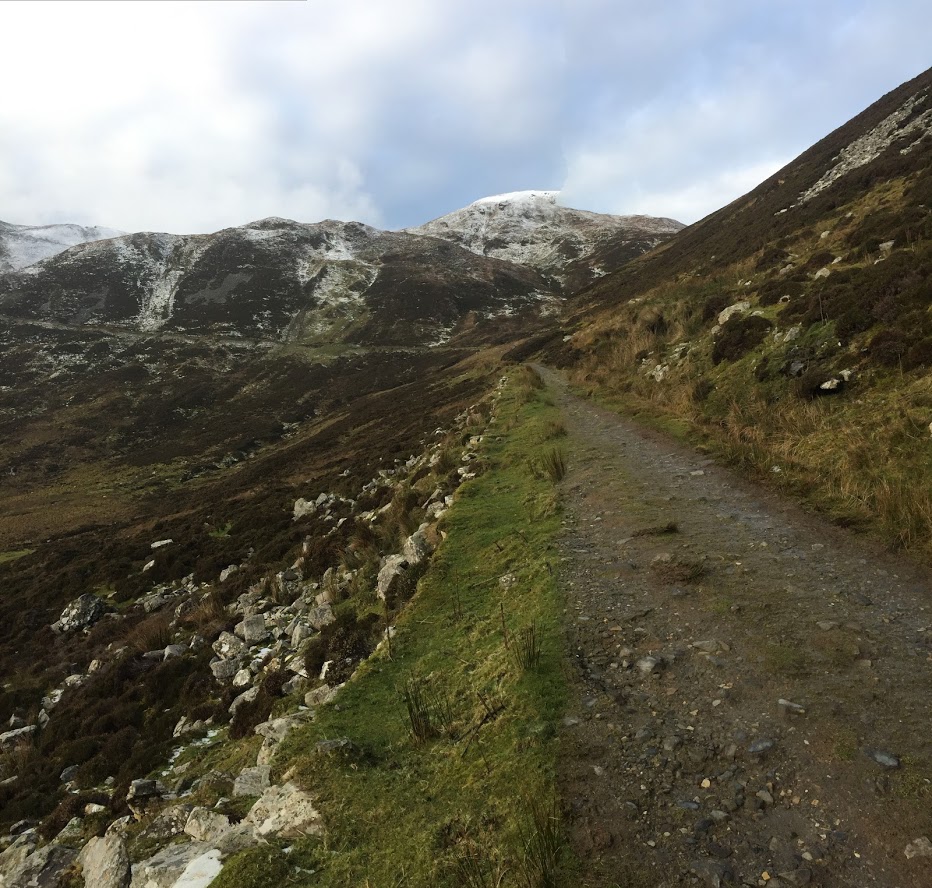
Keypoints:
(152, 634)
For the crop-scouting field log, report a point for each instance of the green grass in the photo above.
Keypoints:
(14, 554)
(408, 810)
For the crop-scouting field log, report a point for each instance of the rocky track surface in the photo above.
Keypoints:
(752, 687)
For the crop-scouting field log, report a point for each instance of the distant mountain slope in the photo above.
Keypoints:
(532, 228)
(22, 245)
(276, 279)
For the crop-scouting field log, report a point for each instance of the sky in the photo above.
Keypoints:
(194, 116)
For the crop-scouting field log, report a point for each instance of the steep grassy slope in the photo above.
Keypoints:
(792, 330)
(467, 798)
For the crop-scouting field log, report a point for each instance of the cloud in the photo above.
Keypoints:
(194, 116)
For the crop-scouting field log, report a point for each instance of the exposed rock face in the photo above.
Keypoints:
(81, 613)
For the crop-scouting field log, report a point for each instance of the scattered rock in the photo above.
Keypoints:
(303, 508)
(140, 795)
(791, 708)
(762, 746)
(224, 670)
(246, 697)
(648, 665)
(228, 645)
(736, 308)
(885, 759)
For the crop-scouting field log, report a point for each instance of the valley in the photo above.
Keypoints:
(339, 556)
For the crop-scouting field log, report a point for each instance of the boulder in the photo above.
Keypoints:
(252, 781)
(13, 857)
(201, 871)
(302, 508)
(319, 696)
(140, 795)
(285, 811)
(229, 646)
(321, 616)
(419, 546)
(205, 825)
(252, 630)
(17, 735)
(80, 613)
(732, 310)
(245, 697)
(165, 868)
(224, 670)
(392, 570)
(273, 732)
(105, 863)
(41, 869)
(920, 847)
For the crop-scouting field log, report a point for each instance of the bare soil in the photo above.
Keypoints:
(688, 771)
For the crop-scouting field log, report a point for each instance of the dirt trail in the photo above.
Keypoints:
(680, 766)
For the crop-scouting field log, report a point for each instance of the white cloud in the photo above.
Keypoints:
(193, 116)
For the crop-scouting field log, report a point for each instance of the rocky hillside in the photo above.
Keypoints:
(278, 280)
(22, 245)
(533, 228)
(792, 329)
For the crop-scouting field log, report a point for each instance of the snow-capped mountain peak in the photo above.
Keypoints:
(534, 228)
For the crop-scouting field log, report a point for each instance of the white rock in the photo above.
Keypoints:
(205, 825)
(201, 871)
(920, 847)
(105, 863)
(736, 308)
(285, 811)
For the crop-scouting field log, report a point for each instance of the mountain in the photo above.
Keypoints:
(278, 280)
(22, 245)
(280, 530)
(792, 328)
(533, 228)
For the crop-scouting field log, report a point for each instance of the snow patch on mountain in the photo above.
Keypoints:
(24, 245)
(533, 228)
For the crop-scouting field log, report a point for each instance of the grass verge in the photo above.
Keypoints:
(447, 796)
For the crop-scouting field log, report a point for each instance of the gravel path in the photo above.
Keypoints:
(696, 603)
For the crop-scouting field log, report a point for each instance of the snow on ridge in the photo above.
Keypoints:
(23, 245)
(518, 197)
